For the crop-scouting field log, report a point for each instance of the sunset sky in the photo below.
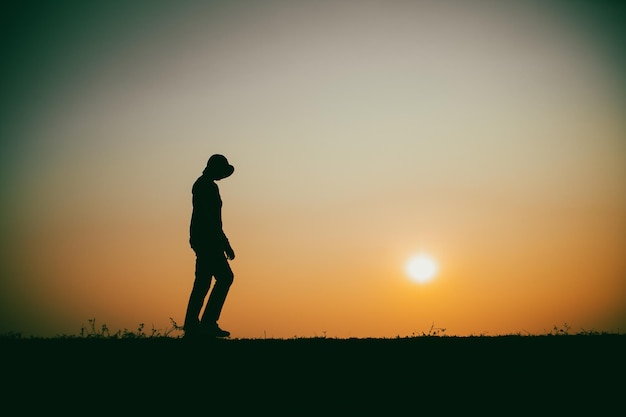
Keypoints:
(489, 135)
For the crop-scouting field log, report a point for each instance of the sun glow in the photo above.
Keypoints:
(421, 268)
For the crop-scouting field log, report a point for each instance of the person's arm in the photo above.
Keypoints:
(228, 250)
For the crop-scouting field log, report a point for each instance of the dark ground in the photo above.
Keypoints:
(496, 375)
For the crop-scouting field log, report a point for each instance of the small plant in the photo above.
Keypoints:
(562, 331)
(584, 332)
(139, 334)
(434, 331)
(91, 332)
(165, 333)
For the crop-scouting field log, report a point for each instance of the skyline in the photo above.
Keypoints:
(489, 135)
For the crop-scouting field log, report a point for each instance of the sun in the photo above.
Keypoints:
(421, 268)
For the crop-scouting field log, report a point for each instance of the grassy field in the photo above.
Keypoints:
(164, 373)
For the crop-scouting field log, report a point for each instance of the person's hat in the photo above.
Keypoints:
(218, 167)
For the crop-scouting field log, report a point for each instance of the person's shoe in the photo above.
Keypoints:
(215, 331)
(204, 331)
(194, 333)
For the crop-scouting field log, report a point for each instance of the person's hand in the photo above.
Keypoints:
(230, 253)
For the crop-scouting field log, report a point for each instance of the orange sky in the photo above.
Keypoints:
(490, 136)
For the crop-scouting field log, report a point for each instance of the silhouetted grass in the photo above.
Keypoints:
(92, 330)
(158, 370)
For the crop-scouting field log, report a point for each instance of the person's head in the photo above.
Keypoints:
(218, 167)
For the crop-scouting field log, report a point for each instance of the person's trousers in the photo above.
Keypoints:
(208, 266)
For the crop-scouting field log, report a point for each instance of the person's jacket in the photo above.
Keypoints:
(205, 230)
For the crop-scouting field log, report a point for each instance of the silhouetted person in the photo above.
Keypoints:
(212, 249)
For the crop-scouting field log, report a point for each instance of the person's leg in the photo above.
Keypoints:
(200, 289)
(223, 279)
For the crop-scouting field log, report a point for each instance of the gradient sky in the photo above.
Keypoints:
(489, 134)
